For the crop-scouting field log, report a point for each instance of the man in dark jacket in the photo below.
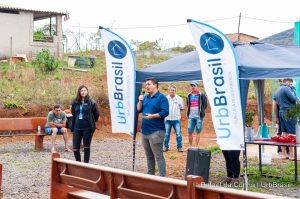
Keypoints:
(196, 103)
(285, 98)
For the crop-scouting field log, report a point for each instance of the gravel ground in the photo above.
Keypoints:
(26, 173)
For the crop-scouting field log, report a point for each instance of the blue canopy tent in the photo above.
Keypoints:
(256, 61)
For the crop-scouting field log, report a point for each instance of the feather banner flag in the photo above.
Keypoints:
(121, 80)
(221, 82)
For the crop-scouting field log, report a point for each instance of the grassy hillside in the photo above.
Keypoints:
(24, 85)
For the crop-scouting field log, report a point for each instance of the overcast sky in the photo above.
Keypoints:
(150, 13)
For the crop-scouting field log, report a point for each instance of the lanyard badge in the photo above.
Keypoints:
(80, 114)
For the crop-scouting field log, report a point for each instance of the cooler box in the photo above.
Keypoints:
(198, 163)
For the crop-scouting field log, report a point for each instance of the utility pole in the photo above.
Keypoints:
(50, 27)
(239, 26)
(66, 44)
(79, 38)
(11, 51)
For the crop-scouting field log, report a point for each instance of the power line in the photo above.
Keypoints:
(175, 25)
(151, 27)
(221, 19)
(266, 20)
(73, 26)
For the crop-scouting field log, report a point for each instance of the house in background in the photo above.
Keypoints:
(241, 37)
(17, 32)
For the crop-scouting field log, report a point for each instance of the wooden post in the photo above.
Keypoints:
(192, 181)
(10, 60)
(113, 191)
(1, 193)
(239, 26)
(39, 139)
(53, 173)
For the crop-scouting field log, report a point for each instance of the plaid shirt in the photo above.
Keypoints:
(175, 105)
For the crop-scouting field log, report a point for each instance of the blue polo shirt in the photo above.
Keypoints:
(285, 97)
(158, 103)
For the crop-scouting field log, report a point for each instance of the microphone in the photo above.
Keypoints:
(143, 92)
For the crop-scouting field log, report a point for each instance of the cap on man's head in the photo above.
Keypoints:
(194, 83)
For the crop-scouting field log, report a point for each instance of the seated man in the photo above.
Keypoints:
(56, 124)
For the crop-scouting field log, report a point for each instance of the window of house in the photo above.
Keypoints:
(44, 28)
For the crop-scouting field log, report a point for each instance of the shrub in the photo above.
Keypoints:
(249, 118)
(12, 104)
(293, 113)
(214, 149)
(185, 49)
(181, 94)
(45, 61)
(24, 64)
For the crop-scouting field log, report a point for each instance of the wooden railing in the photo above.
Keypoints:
(71, 179)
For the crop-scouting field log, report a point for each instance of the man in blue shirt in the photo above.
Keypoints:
(284, 98)
(154, 107)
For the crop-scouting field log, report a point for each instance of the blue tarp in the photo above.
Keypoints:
(255, 60)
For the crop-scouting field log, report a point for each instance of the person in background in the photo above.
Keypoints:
(284, 98)
(233, 166)
(173, 119)
(56, 125)
(196, 103)
(154, 107)
(279, 132)
(69, 116)
(85, 115)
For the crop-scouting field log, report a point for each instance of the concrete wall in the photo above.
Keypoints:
(19, 27)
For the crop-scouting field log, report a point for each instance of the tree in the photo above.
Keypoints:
(148, 45)
(185, 49)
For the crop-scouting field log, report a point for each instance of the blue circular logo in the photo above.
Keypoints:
(211, 43)
(117, 49)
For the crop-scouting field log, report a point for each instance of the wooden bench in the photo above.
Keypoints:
(24, 127)
(71, 179)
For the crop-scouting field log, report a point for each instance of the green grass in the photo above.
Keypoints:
(181, 94)
(214, 149)
(284, 170)
(5, 67)
(12, 104)
(173, 155)
(26, 85)
(143, 61)
(28, 163)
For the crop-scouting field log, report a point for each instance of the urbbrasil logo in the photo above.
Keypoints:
(117, 49)
(211, 43)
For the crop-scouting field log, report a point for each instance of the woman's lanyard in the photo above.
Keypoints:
(80, 114)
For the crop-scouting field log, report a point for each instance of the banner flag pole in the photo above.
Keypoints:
(121, 83)
(218, 61)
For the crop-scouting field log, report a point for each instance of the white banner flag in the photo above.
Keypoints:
(221, 82)
(121, 67)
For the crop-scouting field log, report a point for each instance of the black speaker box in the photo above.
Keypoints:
(198, 163)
